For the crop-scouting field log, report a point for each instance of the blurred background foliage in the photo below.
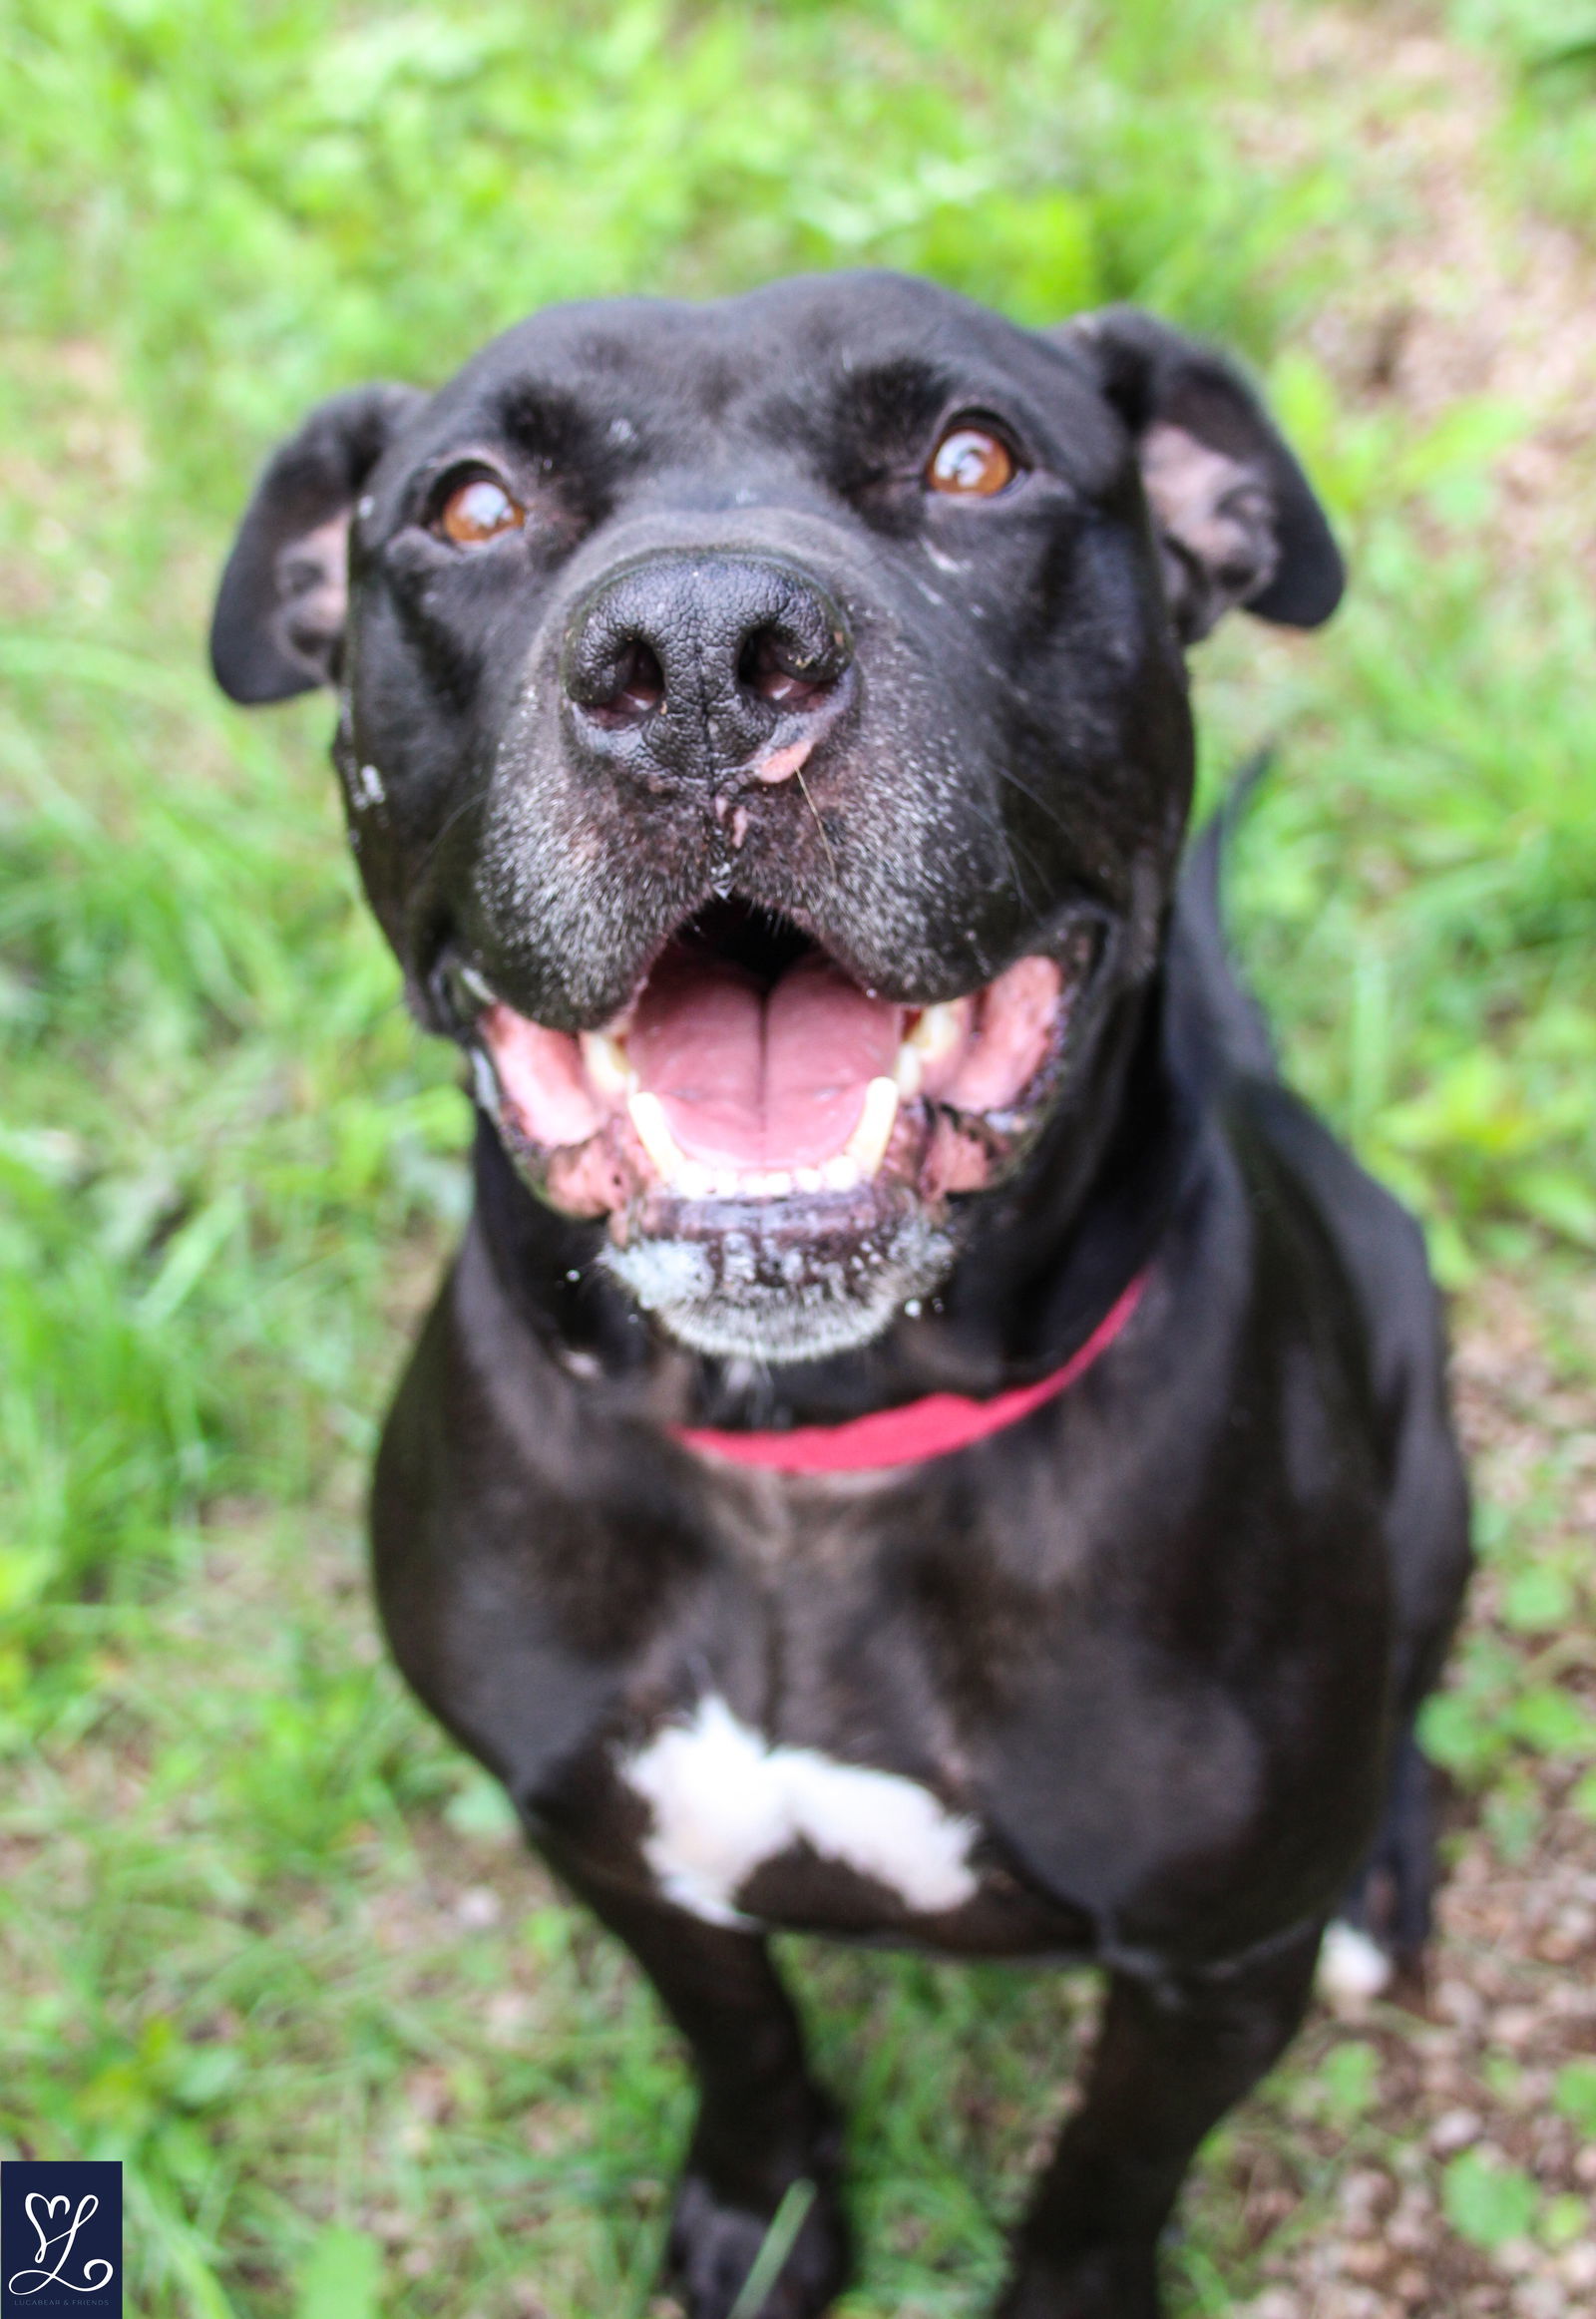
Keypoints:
(227, 1166)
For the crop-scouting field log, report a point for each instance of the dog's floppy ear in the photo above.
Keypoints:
(1235, 520)
(279, 619)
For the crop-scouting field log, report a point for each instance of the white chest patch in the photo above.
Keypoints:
(724, 1800)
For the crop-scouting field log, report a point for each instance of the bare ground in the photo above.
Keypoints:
(1464, 297)
(1465, 294)
(1510, 1996)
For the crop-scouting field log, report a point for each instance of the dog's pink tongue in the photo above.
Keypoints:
(756, 1079)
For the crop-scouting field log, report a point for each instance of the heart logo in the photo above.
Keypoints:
(37, 2198)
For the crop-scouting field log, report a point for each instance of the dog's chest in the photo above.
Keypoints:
(726, 1801)
(812, 1767)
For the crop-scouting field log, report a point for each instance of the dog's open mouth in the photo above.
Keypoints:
(759, 1117)
(751, 1067)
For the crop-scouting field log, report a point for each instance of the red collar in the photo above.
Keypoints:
(933, 1427)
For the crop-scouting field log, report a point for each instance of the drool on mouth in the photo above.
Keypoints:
(749, 1067)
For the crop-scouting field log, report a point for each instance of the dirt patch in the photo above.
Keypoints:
(1465, 295)
(1510, 2000)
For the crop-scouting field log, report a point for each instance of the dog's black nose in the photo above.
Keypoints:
(697, 663)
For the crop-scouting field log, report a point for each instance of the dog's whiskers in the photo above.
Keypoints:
(815, 816)
(451, 819)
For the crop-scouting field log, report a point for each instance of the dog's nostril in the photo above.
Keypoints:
(694, 661)
(637, 689)
(642, 681)
(778, 669)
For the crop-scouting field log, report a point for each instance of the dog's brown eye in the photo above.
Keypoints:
(478, 512)
(969, 463)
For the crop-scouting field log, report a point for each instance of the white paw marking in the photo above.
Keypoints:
(1351, 1967)
(724, 1800)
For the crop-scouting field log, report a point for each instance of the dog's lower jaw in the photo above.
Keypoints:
(750, 1299)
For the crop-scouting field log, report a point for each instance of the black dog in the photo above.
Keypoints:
(925, 1440)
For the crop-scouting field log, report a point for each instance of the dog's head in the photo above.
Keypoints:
(763, 728)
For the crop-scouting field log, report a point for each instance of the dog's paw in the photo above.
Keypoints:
(1119, 2282)
(1376, 1946)
(714, 2249)
(1353, 1967)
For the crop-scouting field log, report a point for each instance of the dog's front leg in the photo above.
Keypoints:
(1174, 2053)
(764, 2129)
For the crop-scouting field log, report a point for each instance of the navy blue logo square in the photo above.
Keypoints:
(61, 2237)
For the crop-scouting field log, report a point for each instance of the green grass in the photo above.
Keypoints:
(232, 1854)
(1550, 125)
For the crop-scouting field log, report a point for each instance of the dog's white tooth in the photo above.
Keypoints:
(940, 1029)
(605, 1060)
(694, 1181)
(808, 1180)
(726, 1182)
(647, 1116)
(470, 979)
(778, 1183)
(909, 1070)
(867, 1146)
(485, 1083)
(840, 1172)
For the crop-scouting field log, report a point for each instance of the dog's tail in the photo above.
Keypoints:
(1224, 1014)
